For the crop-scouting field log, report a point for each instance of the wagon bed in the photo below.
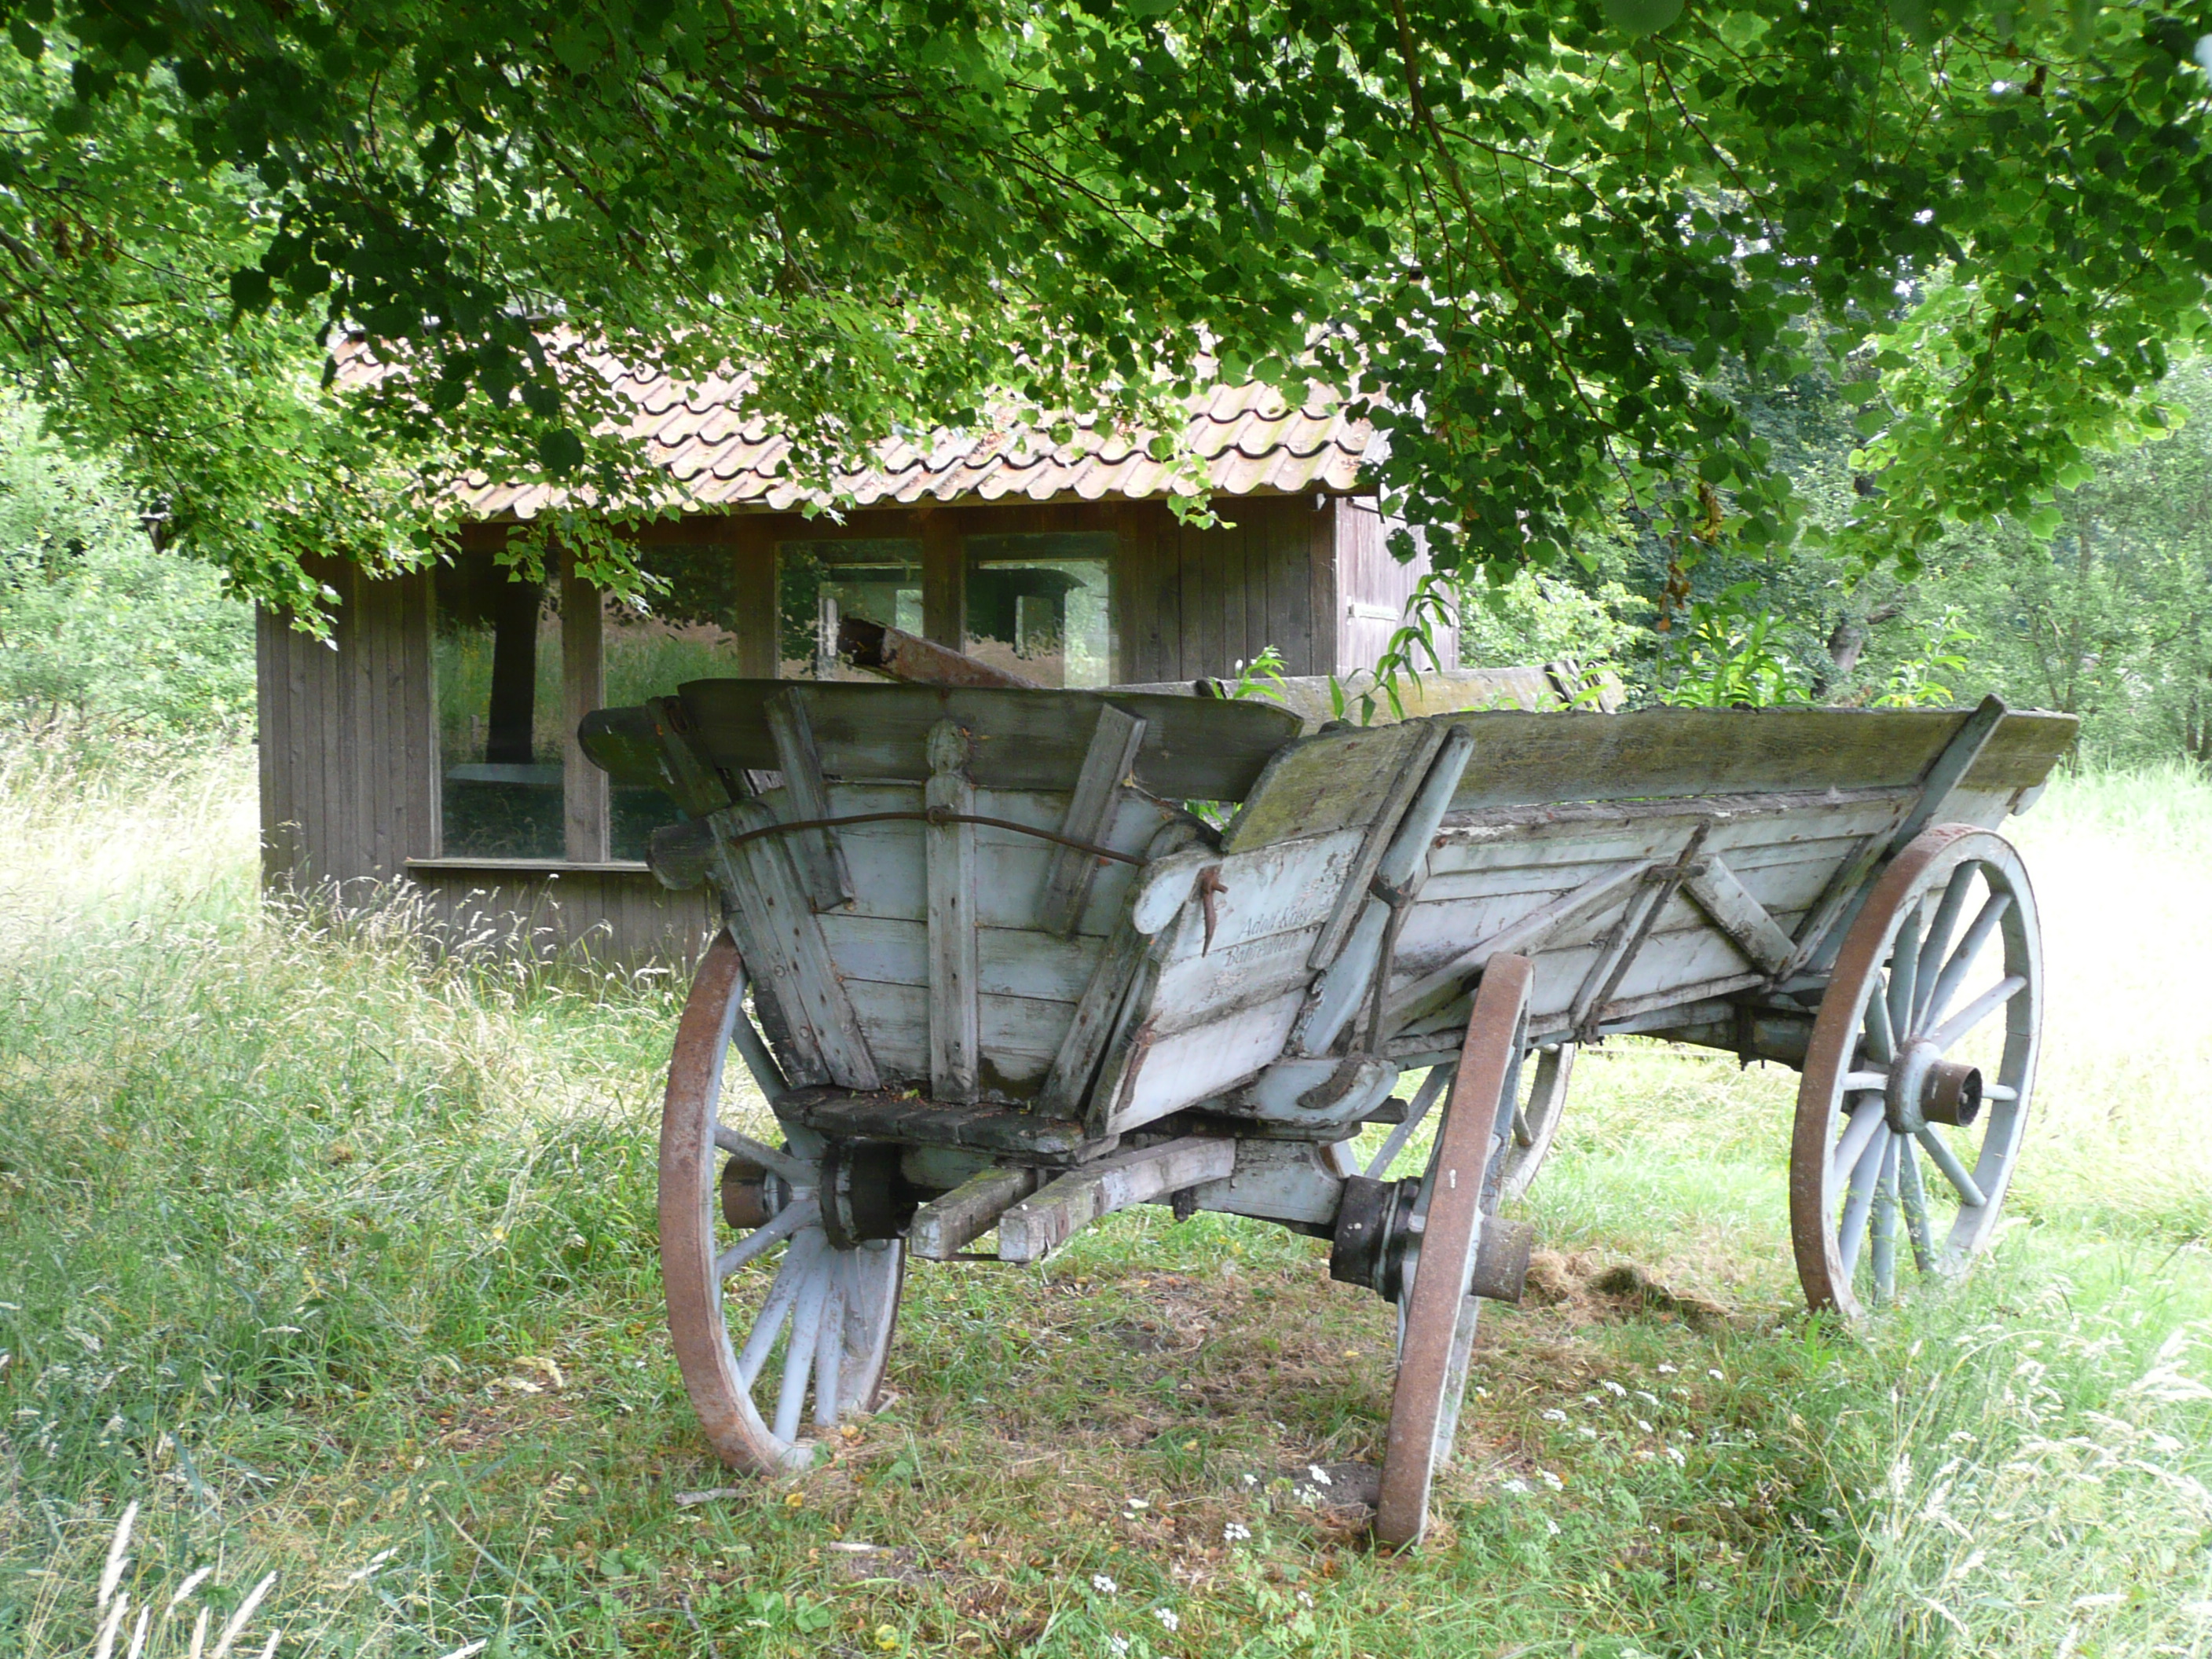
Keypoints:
(1017, 959)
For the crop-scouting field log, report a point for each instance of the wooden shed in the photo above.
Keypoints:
(434, 746)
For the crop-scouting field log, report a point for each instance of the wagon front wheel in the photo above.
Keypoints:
(742, 1245)
(1916, 1080)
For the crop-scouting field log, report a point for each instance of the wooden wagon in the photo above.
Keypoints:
(1018, 959)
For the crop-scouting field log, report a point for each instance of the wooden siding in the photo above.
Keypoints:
(609, 914)
(1196, 602)
(348, 735)
(1374, 587)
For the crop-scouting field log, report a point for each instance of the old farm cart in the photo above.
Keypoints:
(1003, 978)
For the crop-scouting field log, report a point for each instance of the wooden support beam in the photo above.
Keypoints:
(820, 859)
(1091, 809)
(1524, 936)
(1949, 770)
(883, 649)
(949, 1223)
(1626, 940)
(584, 798)
(1040, 1224)
(782, 941)
(1096, 1010)
(1716, 890)
(955, 1025)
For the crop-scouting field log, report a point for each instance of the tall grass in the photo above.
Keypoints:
(335, 1258)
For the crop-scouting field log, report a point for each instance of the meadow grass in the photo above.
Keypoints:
(337, 1260)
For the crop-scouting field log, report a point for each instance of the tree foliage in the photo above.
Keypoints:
(1533, 241)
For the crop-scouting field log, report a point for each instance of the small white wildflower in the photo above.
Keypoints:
(1136, 1502)
(1646, 1394)
(2108, 1600)
(1555, 1415)
(1119, 1644)
(1667, 1371)
(1551, 1526)
(1612, 1387)
(1251, 1480)
(1304, 1600)
(1550, 1480)
(1592, 1399)
(1103, 1584)
(1586, 1432)
(1644, 1426)
(1714, 1373)
(1681, 1462)
(1513, 1484)
(1235, 1532)
(1320, 1475)
(1167, 1620)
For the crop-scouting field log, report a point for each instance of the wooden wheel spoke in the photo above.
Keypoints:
(1880, 1035)
(781, 1225)
(1970, 946)
(1865, 1083)
(798, 1352)
(1903, 962)
(1424, 1098)
(1956, 892)
(795, 1172)
(1977, 1011)
(1858, 1133)
(1858, 1205)
(798, 1263)
(1884, 1222)
(829, 1348)
(1941, 1155)
(1912, 1198)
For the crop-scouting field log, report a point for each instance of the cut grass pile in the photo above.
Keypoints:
(339, 1264)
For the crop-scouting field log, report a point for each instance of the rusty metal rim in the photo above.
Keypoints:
(1420, 1412)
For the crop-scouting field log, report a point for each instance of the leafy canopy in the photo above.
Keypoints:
(1537, 243)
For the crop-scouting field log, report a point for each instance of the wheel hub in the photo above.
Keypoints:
(1377, 1244)
(864, 1196)
(1924, 1088)
(752, 1195)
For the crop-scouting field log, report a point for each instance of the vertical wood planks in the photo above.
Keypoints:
(1091, 812)
(955, 1029)
(1421, 752)
(944, 578)
(583, 688)
(780, 937)
(820, 859)
(1093, 1022)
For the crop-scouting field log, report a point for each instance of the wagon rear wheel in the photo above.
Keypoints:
(1436, 1313)
(1536, 1121)
(1916, 1086)
(743, 1239)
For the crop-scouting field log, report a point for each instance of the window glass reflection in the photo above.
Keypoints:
(877, 578)
(497, 657)
(1042, 605)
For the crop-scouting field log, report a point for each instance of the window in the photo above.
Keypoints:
(497, 657)
(1042, 606)
(820, 582)
(691, 632)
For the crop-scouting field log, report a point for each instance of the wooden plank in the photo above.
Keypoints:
(1022, 739)
(1326, 782)
(1418, 755)
(1668, 753)
(889, 1117)
(955, 1038)
(780, 937)
(584, 799)
(816, 852)
(1010, 961)
(753, 556)
(1166, 1072)
(949, 1223)
(1067, 1086)
(418, 722)
(1091, 812)
(1347, 983)
(1324, 600)
(1525, 936)
(1048, 1218)
(1721, 896)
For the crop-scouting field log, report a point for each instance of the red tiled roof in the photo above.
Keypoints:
(1251, 440)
